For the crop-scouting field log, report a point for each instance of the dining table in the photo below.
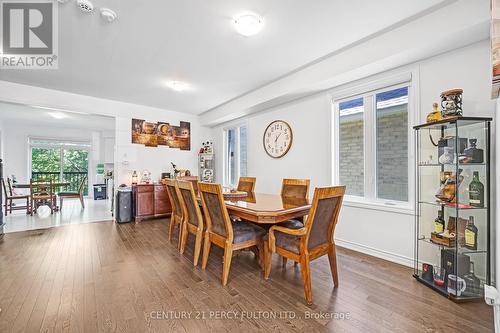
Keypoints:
(266, 208)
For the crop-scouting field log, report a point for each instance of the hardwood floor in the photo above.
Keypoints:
(104, 277)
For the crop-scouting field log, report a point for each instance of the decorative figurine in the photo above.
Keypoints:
(451, 103)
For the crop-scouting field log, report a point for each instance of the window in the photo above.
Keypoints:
(371, 147)
(235, 154)
(60, 161)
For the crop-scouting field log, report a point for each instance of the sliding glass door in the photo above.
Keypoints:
(60, 161)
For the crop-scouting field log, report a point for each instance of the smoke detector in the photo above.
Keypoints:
(108, 15)
(85, 5)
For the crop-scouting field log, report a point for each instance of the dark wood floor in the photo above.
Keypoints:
(104, 277)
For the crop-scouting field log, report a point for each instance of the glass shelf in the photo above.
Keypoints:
(461, 249)
(454, 206)
(451, 164)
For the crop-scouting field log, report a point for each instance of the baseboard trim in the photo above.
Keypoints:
(393, 257)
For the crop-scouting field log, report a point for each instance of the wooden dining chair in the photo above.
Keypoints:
(176, 217)
(193, 219)
(312, 241)
(10, 197)
(221, 232)
(247, 184)
(73, 194)
(41, 192)
(295, 188)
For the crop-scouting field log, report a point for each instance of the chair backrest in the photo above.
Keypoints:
(247, 184)
(189, 203)
(41, 187)
(82, 184)
(174, 197)
(10, 188)
(4, 186)
(216, 215)
(323, 216)
(295, 188)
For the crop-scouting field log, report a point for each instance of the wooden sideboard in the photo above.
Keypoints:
(150, 201)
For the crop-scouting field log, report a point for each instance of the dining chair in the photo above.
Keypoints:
(221, 232)
(73, 194)
(295, 188)
(193, 219)
(10, 197)
(41, 192)
(176, 217)
(247, 184)
(312, 241)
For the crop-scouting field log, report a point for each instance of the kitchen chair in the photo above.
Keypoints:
(73, 194)
(220, 231)
(313, 240)
(247, 184)
(176, 217)
(193, 219)
(10, 197)
(41, 193)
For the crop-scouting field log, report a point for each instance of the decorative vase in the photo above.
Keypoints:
(448, 156)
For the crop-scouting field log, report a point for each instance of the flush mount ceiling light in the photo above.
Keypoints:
(85, 5)
(248, 24)
(108, 15)
(57, 115)
(178, 85)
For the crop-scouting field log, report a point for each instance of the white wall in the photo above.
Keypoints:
(378, 232)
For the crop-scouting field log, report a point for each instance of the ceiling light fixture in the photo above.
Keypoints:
(178, 85)
(57, 115)
(108, 15)
(248, 24)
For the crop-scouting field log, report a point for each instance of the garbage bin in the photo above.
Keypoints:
(100, 192)
(124, 212)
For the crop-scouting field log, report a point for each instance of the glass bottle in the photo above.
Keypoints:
(435, 115)
(473, 154)
(439, 223)
(476, 191)
(471, 234)
(472, 282)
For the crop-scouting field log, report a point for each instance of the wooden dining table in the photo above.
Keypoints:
(268, 208)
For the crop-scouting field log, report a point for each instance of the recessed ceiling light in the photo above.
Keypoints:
(248, 24)
(178, 85)
(57, 115)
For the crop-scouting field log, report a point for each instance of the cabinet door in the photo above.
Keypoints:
(162, 201)
(145, 203)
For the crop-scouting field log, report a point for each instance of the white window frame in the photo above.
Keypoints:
(225, 165)
(368, 91)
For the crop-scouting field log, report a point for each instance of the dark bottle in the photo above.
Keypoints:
(471, 234)
(472, 282)
(439, 223)
(474, 154)
(476, 191)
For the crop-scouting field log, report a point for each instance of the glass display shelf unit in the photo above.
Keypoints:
(452, 253)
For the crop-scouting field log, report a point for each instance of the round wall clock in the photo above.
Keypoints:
(277, 138)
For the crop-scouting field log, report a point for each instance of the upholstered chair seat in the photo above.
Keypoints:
(244, 231)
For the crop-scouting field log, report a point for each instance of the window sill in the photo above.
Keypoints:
(386, 206)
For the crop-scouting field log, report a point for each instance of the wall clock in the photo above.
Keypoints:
(277, 138)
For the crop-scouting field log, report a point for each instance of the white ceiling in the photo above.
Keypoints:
(194, 41)
(27, 115)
